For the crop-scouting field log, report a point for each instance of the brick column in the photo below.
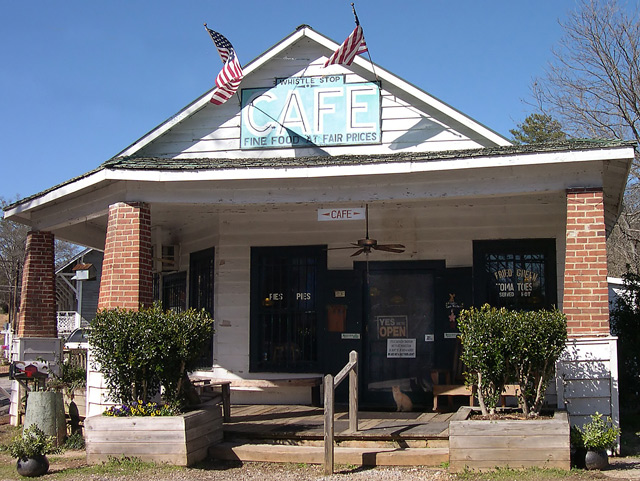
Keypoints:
(38, 299)
(586, 295)
(126, 270)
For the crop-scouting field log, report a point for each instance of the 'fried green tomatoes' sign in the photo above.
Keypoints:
(310, 111)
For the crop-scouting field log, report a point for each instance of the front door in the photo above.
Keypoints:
(344, 324)
(400, 311)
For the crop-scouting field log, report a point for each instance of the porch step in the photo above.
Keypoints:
(359, 456)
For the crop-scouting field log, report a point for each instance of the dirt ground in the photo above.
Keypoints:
(71, 465)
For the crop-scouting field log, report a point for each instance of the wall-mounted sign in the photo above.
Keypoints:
(392, 326)
(451, 335)
(310, 111)
(401, 348)
(350, 335)
(341, 214)
(429, 337)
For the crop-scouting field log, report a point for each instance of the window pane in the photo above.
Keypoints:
(285, 308)
(515, 274)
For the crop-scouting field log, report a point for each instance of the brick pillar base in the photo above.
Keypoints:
(38, 299)
(586, 295)
(126, 270)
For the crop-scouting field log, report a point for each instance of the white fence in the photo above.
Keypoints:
(68, 321)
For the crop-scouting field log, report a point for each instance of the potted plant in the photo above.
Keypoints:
(598, 436)
(31, 451)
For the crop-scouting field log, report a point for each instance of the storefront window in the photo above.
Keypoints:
(517, 274)
(285, 307)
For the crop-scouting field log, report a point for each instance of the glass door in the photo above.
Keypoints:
(401, 312)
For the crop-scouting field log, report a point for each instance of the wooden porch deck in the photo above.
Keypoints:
(306, 423)
(293, 433)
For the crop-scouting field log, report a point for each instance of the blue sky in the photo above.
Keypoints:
(81, 80)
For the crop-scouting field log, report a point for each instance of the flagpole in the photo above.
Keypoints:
(353, 8)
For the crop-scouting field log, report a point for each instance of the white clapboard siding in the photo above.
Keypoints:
(214, 131)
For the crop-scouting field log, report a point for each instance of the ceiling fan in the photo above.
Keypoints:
(367, 244)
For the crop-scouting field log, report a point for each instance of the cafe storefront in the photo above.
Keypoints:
(333, 209)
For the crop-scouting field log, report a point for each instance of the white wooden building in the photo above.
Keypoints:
(253, 208)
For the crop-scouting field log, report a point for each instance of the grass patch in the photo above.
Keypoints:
(114, 467)
(528, 474)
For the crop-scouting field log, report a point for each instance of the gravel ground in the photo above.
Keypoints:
(621, 469)
(275, 472)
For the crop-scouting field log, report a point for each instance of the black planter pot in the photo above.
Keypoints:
(596, 459)
(32, 467)
(578, 456)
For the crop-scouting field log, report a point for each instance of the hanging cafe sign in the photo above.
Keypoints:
(310, 111)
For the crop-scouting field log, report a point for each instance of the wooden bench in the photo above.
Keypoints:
(510, 390)
(227, 384)
(206, 389)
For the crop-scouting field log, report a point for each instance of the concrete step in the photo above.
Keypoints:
(358, 456)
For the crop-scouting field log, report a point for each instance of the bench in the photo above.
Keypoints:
(313, 383)
(206, 389)
(510, 390)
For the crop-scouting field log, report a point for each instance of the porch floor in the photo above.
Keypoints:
(306, 422)
(294, 433)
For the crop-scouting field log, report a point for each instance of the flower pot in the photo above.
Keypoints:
(596, 459)
(32, 467)
(578, 456)
(45, 409)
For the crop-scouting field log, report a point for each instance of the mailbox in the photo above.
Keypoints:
(24, 370)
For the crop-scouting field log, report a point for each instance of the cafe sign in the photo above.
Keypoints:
(310, 111)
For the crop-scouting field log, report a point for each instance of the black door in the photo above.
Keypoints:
(343, 324)
(401, 308)
(201, 276)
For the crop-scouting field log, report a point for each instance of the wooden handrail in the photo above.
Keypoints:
(330, 383)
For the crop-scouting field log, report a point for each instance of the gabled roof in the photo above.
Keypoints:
(305, 31)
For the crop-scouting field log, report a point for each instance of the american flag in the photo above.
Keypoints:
(229, 78)
(352, 46)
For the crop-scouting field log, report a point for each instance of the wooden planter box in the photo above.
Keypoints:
(181, 440)
(483, 445)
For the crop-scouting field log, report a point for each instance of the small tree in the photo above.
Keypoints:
(483, 353)
(501, 346)
(538, 128)
(139, 351)
(536, 340)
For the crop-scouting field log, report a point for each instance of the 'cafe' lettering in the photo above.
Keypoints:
(310, 111)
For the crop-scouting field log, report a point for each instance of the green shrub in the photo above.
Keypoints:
(483, 353)
(72, 377)
(536, 340)
(74, 441)
(139, 351)
(501, 346)
(33, 442)
(597, 434)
